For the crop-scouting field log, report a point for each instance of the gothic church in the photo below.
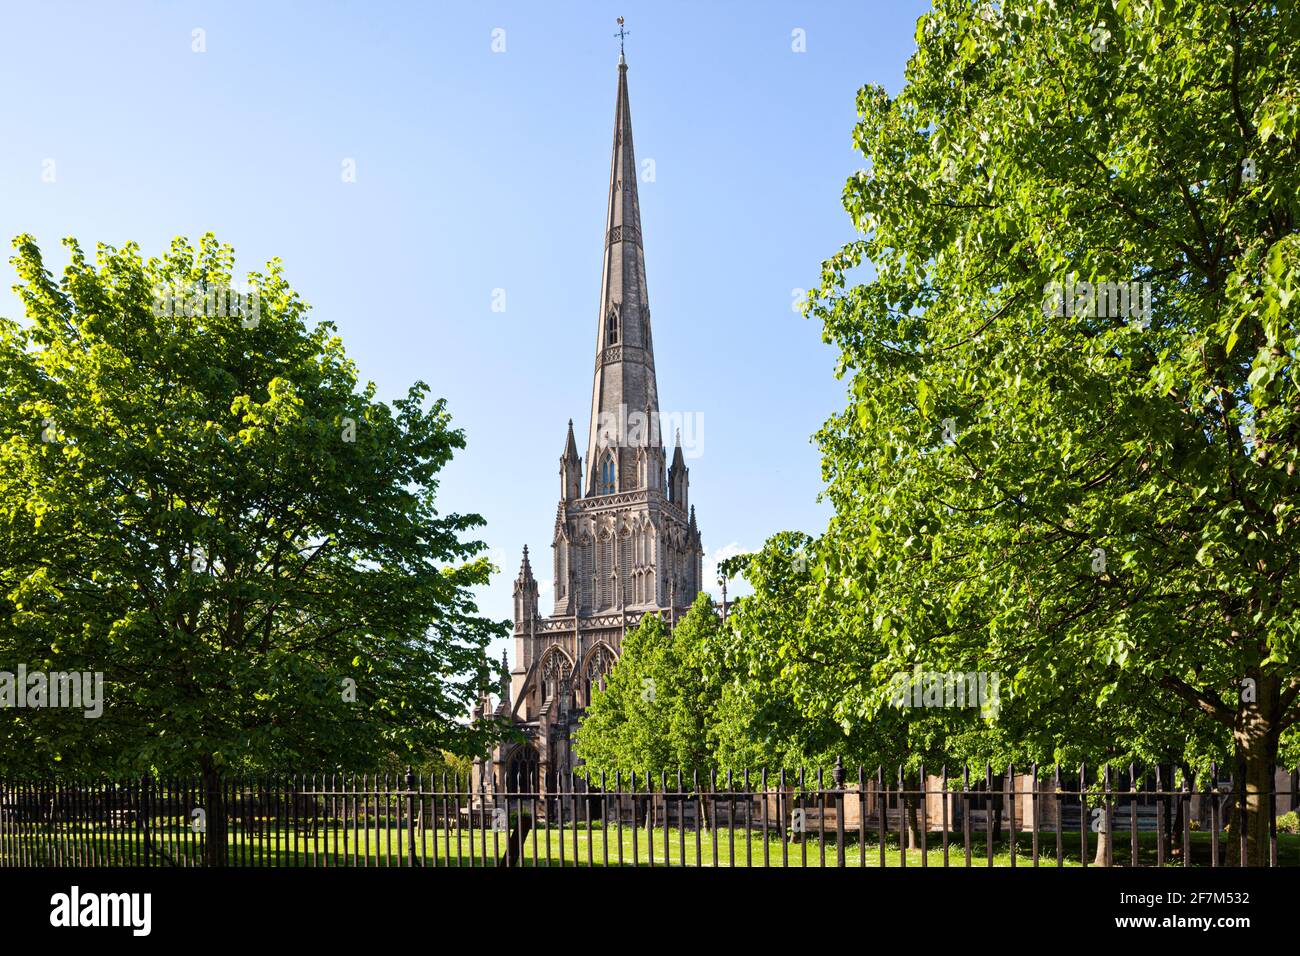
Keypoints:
(626, 543)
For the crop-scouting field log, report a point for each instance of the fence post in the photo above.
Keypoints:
(837, 777)
(410, 816)
(145, 835)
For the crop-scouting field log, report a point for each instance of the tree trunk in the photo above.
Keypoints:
(515, 840)
(1174, 813)
(214, 808)
(1255, 737)
(913, 825)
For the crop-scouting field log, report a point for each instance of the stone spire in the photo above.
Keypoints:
(624, 385)
(504, 679)
(525, 593)
(678, 476)
(570, 469)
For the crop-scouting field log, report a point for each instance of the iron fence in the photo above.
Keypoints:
(1110, 817)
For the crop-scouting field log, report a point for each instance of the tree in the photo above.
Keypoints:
(197, 501)
(796, 667)
(1070, 448)
(658, 704)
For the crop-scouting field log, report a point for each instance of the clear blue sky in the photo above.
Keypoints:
(478, 171)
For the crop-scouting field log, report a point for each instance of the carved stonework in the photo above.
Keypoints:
(628, 353)
(602, 502)
(625, 232)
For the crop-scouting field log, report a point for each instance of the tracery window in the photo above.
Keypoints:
(555, 670)
(606, 483)
(599, 664)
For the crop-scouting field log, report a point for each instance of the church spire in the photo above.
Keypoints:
(624, 384)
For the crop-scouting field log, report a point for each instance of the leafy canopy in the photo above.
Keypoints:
(205, 507)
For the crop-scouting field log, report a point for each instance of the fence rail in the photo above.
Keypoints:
(762, 819)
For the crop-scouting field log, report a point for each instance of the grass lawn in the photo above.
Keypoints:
(554, 847)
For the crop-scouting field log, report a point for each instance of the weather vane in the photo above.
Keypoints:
(620, 34)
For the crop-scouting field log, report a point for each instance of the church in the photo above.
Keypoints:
(626, 543)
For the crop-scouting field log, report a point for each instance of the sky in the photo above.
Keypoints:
(434, 178)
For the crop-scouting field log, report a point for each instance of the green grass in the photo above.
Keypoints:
(79, 845)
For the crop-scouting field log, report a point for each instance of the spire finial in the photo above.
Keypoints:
(620, 34)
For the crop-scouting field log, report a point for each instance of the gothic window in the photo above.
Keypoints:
(585, 574)
(521, 770)
(611, 327)
(555, 671)
(562, 568)
(598, 665)
(606, 484)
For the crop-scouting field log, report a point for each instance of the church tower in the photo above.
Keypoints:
(625, 540)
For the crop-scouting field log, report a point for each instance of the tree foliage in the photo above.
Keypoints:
(204, 506)
(657, 710)
(1098, 503)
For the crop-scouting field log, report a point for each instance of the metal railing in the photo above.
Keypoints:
(1155, 818)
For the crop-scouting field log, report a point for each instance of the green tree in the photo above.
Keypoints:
(659, 704)
(199, 502)
(795, 666)
(1097, 501)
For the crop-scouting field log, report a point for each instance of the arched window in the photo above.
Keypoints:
(585, 572)
(521, 770)
(605, 486)
(599, 663)
(555, 671)
(611, 328)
